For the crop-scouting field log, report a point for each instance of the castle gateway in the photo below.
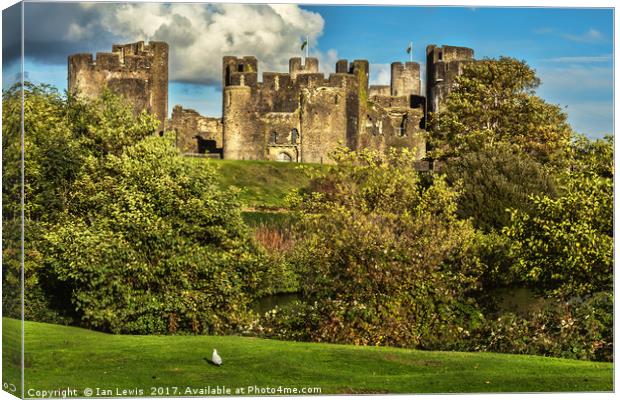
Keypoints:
(295, 116)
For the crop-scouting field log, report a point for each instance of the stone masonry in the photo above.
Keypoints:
(295, 116)
(137, 71)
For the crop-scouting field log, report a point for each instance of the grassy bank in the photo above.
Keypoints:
(58, 356)
(264, 184)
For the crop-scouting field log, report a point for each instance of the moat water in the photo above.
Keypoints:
(270, 302)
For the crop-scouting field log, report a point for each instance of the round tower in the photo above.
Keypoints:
(405, 79)
(238, 121)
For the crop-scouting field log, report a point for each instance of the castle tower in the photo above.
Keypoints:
(239, 124)
(361, 69)
(405, 79)
(296, 67)
(136, 71)
(243, 138)
(443, 65)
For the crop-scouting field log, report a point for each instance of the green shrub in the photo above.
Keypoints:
(564, 246)
(151, 245)
(384, 257)
(494, 179)
(579, 329)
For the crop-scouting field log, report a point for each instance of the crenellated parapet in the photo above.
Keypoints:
(443, 65)
(297, 66)
(405, 79)
(137, 71)
(240, 71)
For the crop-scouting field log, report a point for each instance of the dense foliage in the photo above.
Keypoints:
(125, 235)
(385, 258)
(580, 329)
(494, 179)
(564, 245)
(151, 246)
(122, 234)
(494, 101)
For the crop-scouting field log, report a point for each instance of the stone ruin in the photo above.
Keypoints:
(295, 116)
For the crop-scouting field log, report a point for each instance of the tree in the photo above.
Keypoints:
(150, 244)
(494, 101)
(494, 179)
(61, 132)
(564, 245)
(384, 257)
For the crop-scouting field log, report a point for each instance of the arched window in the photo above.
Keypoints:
(294, 135)
(284, 157)
(402, 129)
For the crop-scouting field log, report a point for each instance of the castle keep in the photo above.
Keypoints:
(137, 71)
(295, 116)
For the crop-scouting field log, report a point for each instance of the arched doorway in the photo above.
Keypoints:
(284, 157)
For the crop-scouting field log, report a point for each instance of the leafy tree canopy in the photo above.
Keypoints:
(383, 254)
(150, 244)
(494, 101)
(564, 245)
(495, 178)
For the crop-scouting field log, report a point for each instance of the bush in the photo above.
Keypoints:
(494, 179)
(151, 245)
(383, 256)
(579, 329)
(564, 246)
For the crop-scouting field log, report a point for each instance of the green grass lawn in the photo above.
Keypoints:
(58, 356)
(264, 184)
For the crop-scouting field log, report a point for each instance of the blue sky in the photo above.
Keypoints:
(571, 49)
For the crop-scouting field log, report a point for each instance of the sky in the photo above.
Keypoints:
(570, 49)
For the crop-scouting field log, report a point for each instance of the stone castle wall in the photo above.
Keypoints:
(304, 116)
(300, 115)
(443, 65)
(137, 71)
(196, 134)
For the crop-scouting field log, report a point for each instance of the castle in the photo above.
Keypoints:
(297, 116)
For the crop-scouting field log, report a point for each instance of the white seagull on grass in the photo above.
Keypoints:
(216, 359)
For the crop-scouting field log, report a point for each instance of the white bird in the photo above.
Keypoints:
(215, 358)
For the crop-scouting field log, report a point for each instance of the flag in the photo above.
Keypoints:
(409, 48)
(304, 44)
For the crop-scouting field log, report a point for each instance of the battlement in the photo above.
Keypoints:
(297, 67)
(276, 80)
(139, 48)
(435, 54)
(241, 71)
(131, 57)
(379, 90)
(137, 71)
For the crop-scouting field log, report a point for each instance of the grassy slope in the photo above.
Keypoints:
(263, 183)
(58, 356)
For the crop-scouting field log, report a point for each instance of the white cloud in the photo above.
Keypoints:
(576, 79)
(590, 36)
(582, 59)
(200, 34)
(380, 74)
